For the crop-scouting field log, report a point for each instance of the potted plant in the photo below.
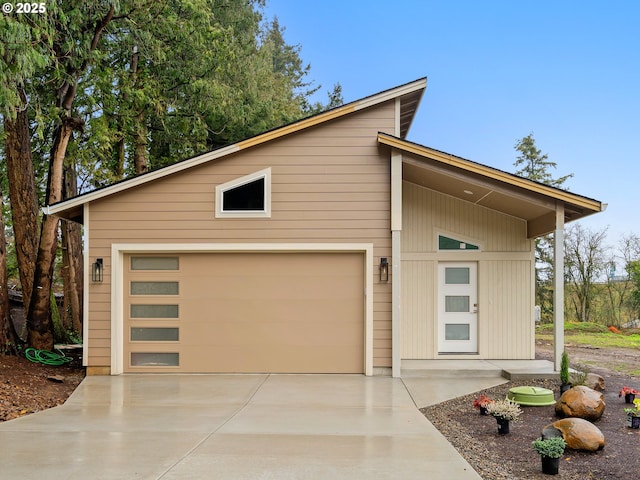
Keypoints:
(633, 415)
(565, 376)
(504, 411)
(481, 402)
(550, 450)
(629, 394)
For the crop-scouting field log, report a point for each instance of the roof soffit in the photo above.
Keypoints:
(475, 183)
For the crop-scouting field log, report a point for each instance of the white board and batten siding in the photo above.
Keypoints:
(330, 184)
(505, 274)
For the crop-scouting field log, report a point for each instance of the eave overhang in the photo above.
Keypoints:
(479, 184)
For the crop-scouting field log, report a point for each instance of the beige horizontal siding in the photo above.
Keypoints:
(329, 184)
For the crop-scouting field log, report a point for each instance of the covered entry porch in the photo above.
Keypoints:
(446, 209)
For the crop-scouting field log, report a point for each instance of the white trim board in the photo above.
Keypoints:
(118, 250)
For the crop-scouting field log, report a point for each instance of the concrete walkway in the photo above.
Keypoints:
(239, 427)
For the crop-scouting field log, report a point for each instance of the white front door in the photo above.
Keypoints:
(457, 307)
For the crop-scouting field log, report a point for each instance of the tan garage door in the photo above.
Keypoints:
(244, 312)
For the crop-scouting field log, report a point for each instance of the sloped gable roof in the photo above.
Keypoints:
(409, 94)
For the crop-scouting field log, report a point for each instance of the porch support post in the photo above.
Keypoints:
(396, 230)
(558, 290)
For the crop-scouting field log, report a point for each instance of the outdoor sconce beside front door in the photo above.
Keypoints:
(384, 269)
(97, 271)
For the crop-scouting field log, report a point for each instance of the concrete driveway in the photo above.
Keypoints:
(231, 427)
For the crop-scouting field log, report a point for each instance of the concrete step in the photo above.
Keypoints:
(449, 368)
(509, 369)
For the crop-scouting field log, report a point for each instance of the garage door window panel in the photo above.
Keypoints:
(142, 263)
(155, 359)
(155, 334)
(154, 311)
(248, 196)
(154, 288)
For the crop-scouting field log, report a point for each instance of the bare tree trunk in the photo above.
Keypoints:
(23, 195)
(8, 335)
(39, 325)
(39, 321)
(140, 151)
(140, 161)
(39, 318)
(72, 261)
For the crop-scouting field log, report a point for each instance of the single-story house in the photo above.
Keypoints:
(329, 245)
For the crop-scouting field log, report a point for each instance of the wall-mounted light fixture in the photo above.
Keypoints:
(97, 271)
(384, 269)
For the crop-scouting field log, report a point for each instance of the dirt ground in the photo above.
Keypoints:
(27, 387)
(511, 457)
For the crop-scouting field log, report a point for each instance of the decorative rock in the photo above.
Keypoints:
(581, 402)
(595, 382)
(56, 378)
(578, 434)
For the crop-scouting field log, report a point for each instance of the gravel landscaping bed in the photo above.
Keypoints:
(511, 457)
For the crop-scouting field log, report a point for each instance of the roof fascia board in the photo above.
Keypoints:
(250, 142)
(381, 97)
(445, 158)
(148, 177)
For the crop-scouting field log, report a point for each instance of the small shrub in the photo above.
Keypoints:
(579, 377)
(550, 447)
(505, 409)
(565, 377)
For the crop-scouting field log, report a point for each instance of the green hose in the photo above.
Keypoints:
(45, 357)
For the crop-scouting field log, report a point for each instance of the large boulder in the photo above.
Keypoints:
(595, 381)
(578, 434)
(581, 402)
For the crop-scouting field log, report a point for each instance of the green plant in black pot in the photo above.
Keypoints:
(550, 451)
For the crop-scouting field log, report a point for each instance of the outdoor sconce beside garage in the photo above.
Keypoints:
(384, 269)
(97, 271)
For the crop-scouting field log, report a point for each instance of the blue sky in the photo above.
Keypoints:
(568, 71)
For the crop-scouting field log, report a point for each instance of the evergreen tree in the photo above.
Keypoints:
(532, 164)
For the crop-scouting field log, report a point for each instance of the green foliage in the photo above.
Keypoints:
(533, 165)
(592, 334)
(585, 327)
(550, 447)
(633, 269)
(565, 378)
(175, 79)
(580, 374)
(24, 40)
